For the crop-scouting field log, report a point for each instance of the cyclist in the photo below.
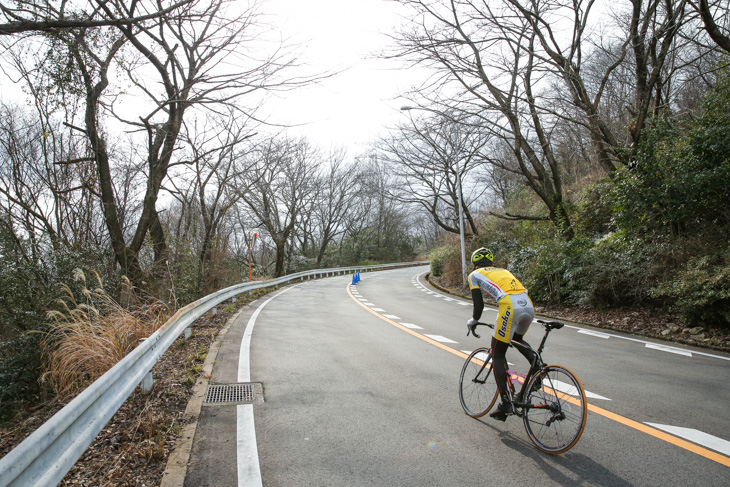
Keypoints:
(513, 319)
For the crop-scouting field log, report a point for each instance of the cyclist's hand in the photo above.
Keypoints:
(471, 327)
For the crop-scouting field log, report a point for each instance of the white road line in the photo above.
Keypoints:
(593, 395)
(411, 326)
(392, 317)
(696, 436)
(440, 338)
(665, 348)
(655, 346)
(479, 356)
(570, 389)
(247, 455)
(244, 362)
(595, 333)
(377, 309)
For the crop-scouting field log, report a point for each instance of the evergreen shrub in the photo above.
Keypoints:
(700, 291)
(438, 258)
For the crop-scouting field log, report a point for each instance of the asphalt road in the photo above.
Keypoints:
(358, 385)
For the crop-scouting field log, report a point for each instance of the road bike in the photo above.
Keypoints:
(551, 402)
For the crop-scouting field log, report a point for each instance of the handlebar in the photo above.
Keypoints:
(473, 328)
(548, 325)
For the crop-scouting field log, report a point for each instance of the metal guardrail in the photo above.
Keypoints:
(44, 458)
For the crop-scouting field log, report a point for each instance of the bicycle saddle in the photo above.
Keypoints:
(552, 325)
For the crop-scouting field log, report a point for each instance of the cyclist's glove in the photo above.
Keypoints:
(471, 327)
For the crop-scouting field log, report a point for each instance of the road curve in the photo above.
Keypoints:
(357, 385)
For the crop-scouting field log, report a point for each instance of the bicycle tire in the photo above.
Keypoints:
(557, 429)
(477, 388)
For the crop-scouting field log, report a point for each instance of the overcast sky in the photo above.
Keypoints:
(352, 108)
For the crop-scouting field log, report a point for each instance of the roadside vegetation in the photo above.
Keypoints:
(654, 235)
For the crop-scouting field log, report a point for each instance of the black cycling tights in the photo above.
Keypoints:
(499, 361)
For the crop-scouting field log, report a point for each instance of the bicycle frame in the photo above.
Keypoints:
(549, 326)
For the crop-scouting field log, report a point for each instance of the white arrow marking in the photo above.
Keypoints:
(696, 436)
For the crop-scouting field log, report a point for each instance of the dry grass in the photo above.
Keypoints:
(87, 338)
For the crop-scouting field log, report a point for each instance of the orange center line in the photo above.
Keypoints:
(681, 443)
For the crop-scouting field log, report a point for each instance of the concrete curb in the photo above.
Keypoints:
(177, 463)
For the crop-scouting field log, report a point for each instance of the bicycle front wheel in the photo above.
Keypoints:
(557, 409)
(477, 387)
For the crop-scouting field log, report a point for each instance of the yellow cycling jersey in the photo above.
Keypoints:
(495, 281)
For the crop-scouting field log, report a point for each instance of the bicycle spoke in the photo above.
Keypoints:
(557, 417)
(477, 387)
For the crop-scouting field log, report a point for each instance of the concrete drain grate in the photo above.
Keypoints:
(229, 393)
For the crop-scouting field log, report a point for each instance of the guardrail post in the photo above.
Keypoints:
(188, 333)
(147, 382)
(213, 311)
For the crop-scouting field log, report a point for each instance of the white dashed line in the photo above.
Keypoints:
(665, 348)
(696, 436)
(479, 356)
(440, 338)
(595, 333)
(411, 326)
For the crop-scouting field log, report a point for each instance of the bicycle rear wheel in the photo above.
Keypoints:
(559, 409)
(477, 388)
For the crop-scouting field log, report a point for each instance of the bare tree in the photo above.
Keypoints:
(215, 149)
(486, 64)
(175, 63)
(708, 12)
(378, 225)
(283, 190)
(46, 187)
(52, 17)
(426, 155)
(334, 202)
